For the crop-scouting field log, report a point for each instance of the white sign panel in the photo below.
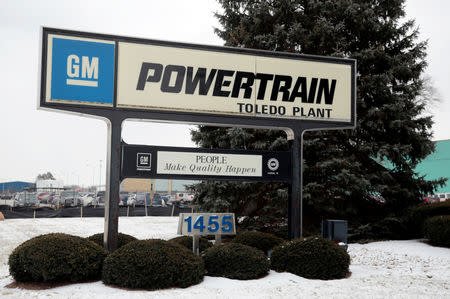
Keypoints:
(216, 164)
(194, 80)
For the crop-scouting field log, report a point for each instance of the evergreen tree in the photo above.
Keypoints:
(45, 176)
(347, 171)
(243, 198)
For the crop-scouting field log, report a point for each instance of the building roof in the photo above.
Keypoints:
(14, 186)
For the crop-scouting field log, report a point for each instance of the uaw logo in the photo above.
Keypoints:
(82, 70)
(273, 164)
(144, 161)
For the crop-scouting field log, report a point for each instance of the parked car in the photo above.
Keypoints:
(184, 197)
(12, 201)
(100, 196)
(188, 198)
(156, 201)
(89, 199)
(142, 198)
(131, 201)
(45, 197)
(123, 197)
(377, 197)
(172, 199)
(25, 199)
(166, 199)
(443, 196)
(430, 198)
(70, 198)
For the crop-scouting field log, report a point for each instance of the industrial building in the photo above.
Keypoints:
(159, 185)
(437, 165)
(16, 186)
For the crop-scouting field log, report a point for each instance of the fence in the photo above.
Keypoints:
(99, 211)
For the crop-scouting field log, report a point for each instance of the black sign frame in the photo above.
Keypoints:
(129, 168)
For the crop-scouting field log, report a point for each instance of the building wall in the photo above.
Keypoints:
(143, 185)
(49, 184)
(437, 165)
(131, 185)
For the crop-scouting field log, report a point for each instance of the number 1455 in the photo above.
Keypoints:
(210, 223)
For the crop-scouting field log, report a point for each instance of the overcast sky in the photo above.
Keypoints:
(71, 147)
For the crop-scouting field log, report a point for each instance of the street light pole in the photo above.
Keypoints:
(100, 175)
(93, 173)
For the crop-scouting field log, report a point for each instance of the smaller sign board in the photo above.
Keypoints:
(200, 224)
(140, 161)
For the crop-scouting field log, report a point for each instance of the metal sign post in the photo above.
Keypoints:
(295, 204)
(110, 236)
(117, 78)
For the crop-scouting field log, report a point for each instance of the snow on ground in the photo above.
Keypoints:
(392, 269)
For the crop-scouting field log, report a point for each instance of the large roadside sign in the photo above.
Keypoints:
(120, 73)
(118, 78)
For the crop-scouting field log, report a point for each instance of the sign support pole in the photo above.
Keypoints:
(110, 236)
(196, 244)
(295, 204)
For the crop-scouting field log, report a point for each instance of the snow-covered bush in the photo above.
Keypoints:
(437, 230)
(152, 264)
(56, 258)
(186, 241)
(235, 261)
(259, 240)
(314, 257)
(123, 239)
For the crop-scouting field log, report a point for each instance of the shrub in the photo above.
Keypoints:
(315, 258)
(437, 230)
(267, 224)
(186, 241)
(236, 261)
(259, 240)
(123, 239)
(389, 228)
(56, 258)
(418, 215)
(152, 264)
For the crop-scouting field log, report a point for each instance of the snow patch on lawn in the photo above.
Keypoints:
(394, 269)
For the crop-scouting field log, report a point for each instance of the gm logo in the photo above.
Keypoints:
(144, 161)
(82, 71)
(89, 70)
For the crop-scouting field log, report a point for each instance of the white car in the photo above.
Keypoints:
(185, 197)
(89, 200)
(188, 197)
(131, 200)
